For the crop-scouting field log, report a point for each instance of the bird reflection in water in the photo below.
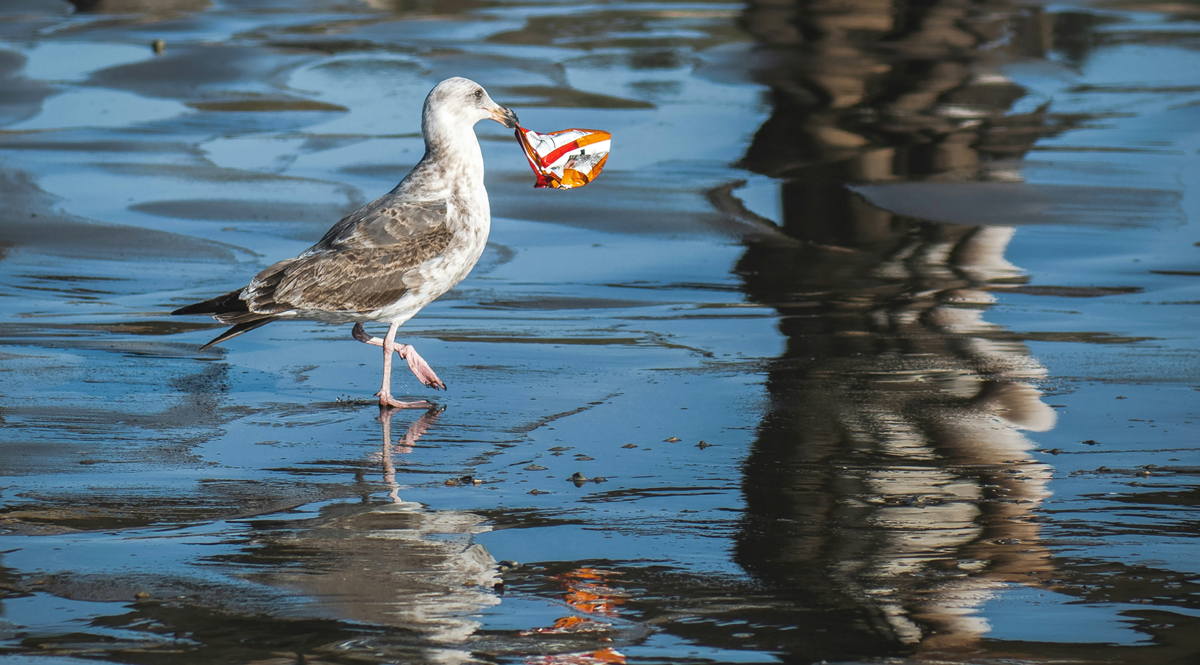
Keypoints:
(891, 485)
(390, 563)
(589, 591)
(403, 446)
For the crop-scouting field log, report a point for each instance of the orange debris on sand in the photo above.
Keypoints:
(567, 158)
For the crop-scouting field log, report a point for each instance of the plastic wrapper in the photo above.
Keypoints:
(567, 158)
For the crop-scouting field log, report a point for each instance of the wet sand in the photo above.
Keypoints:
(875, 341)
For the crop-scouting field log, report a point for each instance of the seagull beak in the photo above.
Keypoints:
(504, 116)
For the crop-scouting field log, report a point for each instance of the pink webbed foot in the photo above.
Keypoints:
(419, 367)
(386, 399)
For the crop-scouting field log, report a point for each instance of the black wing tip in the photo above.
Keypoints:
(192, 309)
(238, 330)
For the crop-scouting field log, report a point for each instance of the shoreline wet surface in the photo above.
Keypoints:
(875, 341)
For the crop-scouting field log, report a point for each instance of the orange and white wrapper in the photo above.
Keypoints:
(565, 159)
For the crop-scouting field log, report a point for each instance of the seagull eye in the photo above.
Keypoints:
(478, 95)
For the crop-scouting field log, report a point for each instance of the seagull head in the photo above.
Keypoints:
(458, 102)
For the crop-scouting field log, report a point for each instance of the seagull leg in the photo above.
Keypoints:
(389, 345)
(416, 363)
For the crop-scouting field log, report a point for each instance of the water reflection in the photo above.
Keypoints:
(594, 598)
(891, 484)
(387, 564)
(404, 445)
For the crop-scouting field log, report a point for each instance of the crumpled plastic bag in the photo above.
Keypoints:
(567, 158)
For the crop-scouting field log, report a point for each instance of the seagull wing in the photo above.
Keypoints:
(385, 221)
(367, 260)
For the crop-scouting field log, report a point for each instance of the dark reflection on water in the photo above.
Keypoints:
(891, 490)
(150, 7)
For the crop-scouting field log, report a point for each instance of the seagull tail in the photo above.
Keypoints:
(228, 308)
(239, 329)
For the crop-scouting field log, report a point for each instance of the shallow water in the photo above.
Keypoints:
(913, 285)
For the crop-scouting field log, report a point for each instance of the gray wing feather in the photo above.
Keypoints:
(384, 221)
(366, 261)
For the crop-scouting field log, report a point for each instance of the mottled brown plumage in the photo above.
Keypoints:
(354, 279)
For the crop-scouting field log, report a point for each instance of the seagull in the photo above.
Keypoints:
(393, 256)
